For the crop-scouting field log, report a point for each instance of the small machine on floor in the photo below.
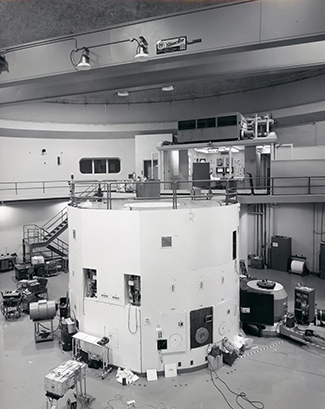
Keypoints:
(263, 303)
(70, 374)
(14, 302)
(11, 304)
(43, 312)
(307, 324)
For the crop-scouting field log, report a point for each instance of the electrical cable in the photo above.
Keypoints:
(255, 404)
(216, 386)
(126, 405)
(136, 321)
(116, 398)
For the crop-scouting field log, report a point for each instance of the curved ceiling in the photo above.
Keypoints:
(194, 90)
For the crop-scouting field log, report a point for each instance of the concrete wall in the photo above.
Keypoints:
(21, 159)
(146, 149)
(197, 271)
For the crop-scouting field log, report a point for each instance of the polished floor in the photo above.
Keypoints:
(274, 373)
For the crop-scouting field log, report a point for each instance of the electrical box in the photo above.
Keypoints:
(133, 289)
(304, 305)
(90, 282)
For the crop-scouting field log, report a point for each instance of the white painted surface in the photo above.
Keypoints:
(197, 271)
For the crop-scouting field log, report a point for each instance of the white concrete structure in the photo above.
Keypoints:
(164, 282)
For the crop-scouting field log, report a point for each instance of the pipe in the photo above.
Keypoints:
(287, 145)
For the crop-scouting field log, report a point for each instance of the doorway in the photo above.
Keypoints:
(150, 169)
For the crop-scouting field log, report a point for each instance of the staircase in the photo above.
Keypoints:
(44, 240)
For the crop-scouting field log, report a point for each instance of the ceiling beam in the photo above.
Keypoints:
(238, 40)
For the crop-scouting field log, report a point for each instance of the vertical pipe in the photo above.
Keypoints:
(175, 194)
(257, 231)
(227, 192)
(267, 232)
(314, 237)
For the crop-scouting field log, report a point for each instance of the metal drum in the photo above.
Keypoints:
(42, 310)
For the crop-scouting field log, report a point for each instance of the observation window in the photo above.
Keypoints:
(99, 165)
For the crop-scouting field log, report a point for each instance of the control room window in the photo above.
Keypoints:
(100, 165)
(86, 166)
(114, 165)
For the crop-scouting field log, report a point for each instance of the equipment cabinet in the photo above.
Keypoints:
(280, 253)
(304, 305)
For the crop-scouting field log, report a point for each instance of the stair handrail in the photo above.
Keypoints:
(42, 236)
(56, 219)
(87, 193)
(60, 245)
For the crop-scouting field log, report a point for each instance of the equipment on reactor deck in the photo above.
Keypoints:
(263, 303)
(94, 351)
(306, 325)
(11, 304)
(40, 312)
(66, 376)
(304, 304)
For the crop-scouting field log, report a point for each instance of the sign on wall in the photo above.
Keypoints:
(171, 45)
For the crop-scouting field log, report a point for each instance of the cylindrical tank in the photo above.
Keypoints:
(42, 310)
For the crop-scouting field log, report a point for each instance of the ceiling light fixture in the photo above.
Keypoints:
(168, 88)
(84, 64)
(3, 63)
(142, 53)
(123, 94)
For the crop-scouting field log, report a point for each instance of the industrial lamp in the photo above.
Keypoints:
(3, 63)
(83, 64)
(142, 53)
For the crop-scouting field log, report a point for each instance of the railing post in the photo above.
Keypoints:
(109, 196)
(309, 185)
(16, 188)
(175, 195)
(227, 192)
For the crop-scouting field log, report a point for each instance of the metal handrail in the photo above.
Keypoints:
(41, 237)
(279, 185)
(106, 189)
(56, 220)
